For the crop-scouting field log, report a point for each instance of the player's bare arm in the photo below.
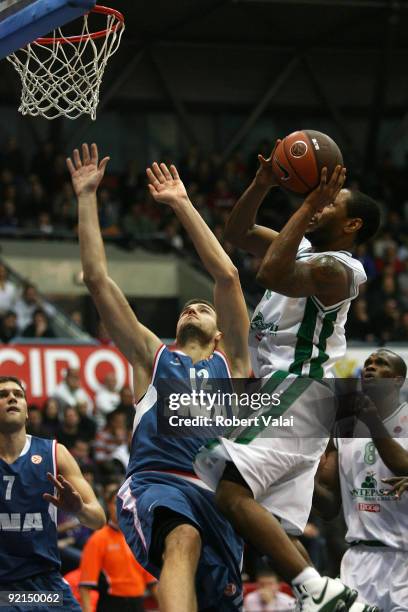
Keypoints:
(73, 493)
(327, 494)
(241, 229)
(134, 340)
(324, 277)
(232, 317)
(391, 452)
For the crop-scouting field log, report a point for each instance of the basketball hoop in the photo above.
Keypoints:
(61, 75)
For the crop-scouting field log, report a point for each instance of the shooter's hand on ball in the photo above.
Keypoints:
(327, 191)
(166, 186)
(265, 175)
(67, 498)
(399, 484)
(86, 173)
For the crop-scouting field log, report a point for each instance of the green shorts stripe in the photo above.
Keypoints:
(288, 397)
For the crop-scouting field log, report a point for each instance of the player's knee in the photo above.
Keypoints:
(184, 541)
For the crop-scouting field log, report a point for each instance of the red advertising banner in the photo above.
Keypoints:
(41, 367)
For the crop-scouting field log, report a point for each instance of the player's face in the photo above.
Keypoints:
(13, 407)
(326, 223)
(378, 365)
(199, 319)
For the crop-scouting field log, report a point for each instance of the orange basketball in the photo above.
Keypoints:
(298, 160)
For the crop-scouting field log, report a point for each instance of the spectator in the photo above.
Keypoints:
(76, 317)
(8, 291)
(51, 422)
(110, 437)
(403, 284)
(81, 451)
(359, 325)
(34, 423)
(386, 323)
(106, 399)
(69, 431)
(40, 327)
(44, 223)
(29, 302)
(8, 327)
(8, 217)
(87, 424)
(121, 455)
(127, 405)
(69, 392)
(267, 597)
(402, 334)
(107, 551)
(137, 222)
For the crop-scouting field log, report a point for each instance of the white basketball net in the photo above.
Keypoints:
(63, 79)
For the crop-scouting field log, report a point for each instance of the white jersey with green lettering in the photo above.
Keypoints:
(370, 515)
(301, 335)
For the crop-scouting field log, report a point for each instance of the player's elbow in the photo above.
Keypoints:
(229, 275)
(94, 279)
(99, 518)
(266, 277)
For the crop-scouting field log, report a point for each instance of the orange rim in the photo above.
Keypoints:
(104, 10)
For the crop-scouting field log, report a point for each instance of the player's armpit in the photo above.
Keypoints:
(325, 277)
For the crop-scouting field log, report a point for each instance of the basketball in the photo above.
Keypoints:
(298, 160)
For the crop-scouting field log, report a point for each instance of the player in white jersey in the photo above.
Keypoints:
(355, 473)
(297, 333)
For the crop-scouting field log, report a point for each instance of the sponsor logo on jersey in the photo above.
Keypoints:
(259, 324)
(369, 490)
(36, 459)
(31, 521)
(369, 507)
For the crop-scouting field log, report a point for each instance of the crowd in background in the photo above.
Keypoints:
(36, 198)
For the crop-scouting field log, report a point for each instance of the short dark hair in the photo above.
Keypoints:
(197, 301)
(399, 365)
(368, 210)
(5, 379)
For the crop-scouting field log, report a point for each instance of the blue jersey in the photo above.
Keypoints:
(152, 450)
(28, 523)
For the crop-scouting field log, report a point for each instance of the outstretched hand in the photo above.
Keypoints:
(165, 184)
(327, 190)
(265, 175)
(67, 498)
(86, 173)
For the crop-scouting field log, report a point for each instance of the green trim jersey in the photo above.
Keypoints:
(301, 335)
(372, 515)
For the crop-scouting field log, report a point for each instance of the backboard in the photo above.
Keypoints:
(22, 21)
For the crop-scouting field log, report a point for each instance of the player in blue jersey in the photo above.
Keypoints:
(37, 477)
(167, 514)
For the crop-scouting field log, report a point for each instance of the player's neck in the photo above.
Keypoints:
(342, 244)
(11, 445)
(197, 351)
